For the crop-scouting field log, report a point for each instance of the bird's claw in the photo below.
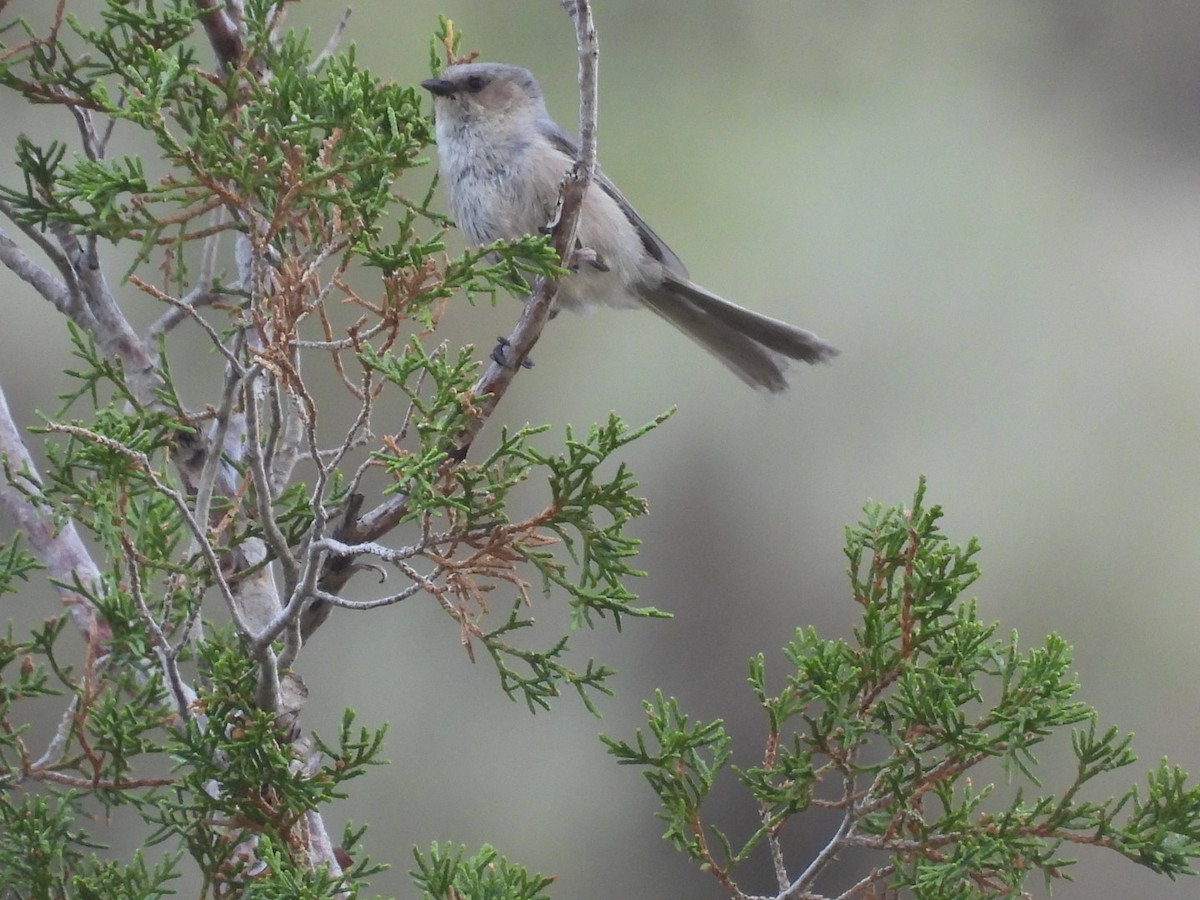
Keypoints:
(499, 355)
(586, 256)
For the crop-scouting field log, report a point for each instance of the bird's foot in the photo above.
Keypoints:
(499, 355)
(586, 256)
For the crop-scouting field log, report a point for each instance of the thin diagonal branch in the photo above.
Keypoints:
(494, 382)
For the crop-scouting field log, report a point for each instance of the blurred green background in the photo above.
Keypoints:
(993, 209)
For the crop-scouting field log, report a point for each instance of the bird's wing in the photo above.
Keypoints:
(654, 245)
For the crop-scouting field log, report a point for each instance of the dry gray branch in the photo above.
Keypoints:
(56, 544)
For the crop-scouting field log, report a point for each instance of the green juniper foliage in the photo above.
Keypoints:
(226, 523)
(443, 874)
(894, 731)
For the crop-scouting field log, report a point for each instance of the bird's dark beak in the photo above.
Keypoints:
(439, 87)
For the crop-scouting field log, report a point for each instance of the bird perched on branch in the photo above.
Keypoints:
(502, 161)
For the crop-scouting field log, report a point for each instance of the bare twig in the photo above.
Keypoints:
(285, 450)
(263, 494)
(58, 743)
(185, 307)
(182, 308)
(589, 63)
(387, 554)
(392, 599)
(335, 38)
(770, 756)
(867, 882)
(799, 887)
(92, 144)
(92, 784)
(168, 656)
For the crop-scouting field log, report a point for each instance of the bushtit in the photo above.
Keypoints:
(502, 160)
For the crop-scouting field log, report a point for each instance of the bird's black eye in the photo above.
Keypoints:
(476, 83)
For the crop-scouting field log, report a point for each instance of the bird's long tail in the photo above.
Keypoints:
(755, 347)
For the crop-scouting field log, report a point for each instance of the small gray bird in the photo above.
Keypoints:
(502, 160)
